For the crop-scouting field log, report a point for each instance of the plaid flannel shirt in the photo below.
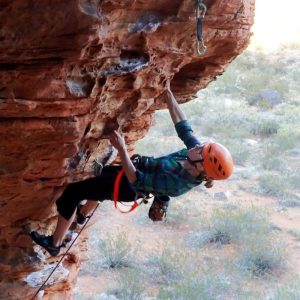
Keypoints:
(165, 176)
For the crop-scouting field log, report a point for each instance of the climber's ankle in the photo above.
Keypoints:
(57, 241)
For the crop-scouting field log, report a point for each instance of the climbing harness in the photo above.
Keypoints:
(44, 283)
(200, 14)
(139, 162)
(143, 197)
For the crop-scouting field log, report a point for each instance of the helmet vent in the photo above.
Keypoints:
(215, 160)
(223, 173)
(210, 159)
(209, 149)
(220, 168)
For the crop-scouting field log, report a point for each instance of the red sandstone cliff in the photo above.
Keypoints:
(70, 71)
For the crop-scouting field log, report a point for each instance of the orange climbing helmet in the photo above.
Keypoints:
(217, 161)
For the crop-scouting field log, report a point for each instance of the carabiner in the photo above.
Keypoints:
(200, 50)
(200, 10)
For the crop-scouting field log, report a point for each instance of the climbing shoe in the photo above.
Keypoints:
(158, 209)
(46, 242)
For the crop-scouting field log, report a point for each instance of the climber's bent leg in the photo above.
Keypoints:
(61, 229)
(98, 188)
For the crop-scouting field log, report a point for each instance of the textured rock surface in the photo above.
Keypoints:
(70, 71)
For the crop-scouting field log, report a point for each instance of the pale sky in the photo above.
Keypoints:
(276, 22)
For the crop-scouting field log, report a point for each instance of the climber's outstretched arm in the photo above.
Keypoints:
(117, 140)
(176, 113)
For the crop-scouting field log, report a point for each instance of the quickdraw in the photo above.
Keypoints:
(200, 14)
(116, 195)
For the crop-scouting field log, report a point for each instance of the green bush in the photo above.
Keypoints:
(130, 285)
(264, 125)
(294, 178)
(226, 121)
(261, 255)
(272, 184)
(271, 162)
(282, 186)
(288, 137)
(167, 265)
(289, 199)
(116, 251)
(295, 233)
(287, 113)
(287, 292)
(228, 226)
(195, 287)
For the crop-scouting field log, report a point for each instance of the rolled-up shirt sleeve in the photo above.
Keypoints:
(186, 134)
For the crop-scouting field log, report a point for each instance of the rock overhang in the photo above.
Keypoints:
(71, 71)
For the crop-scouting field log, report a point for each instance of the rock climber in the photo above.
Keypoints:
(167, 176)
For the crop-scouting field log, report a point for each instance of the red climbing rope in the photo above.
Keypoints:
(116, 195)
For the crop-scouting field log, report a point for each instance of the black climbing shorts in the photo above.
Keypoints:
(98, 188)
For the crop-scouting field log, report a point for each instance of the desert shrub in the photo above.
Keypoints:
(276, 148)
(288, 137)
(283, 185)
(272, 184)
(227, 226)
(222, 117)
(293, 178)
(239, 150)
(278, 151)
(290, 291)
(270, 150)
(265, 100)
(287, 113)
(130, 285)
(295, 233)
(184, 208)
(261, 255)
(275, 151)
(242, 78)
(167, 264)
(264, 125)
(269, 161)
(295, 74)
(195, 287)
(255, 81)
(289, 199)
(116, 251)
(226, 121)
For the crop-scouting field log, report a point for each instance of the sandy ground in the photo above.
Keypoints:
(147, 236)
